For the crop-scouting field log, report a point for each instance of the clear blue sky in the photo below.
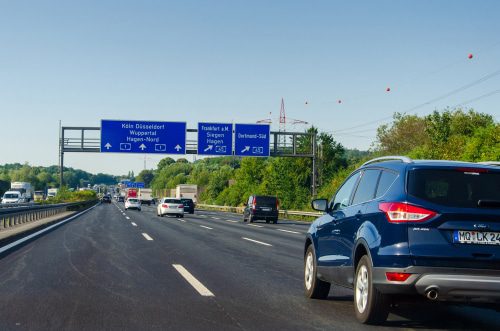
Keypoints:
(80, 62)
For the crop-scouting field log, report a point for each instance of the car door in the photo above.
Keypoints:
(330, 257)
(346, 227)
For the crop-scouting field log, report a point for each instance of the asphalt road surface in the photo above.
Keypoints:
(111, 269)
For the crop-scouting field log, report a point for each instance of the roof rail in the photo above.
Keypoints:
(403, 159)
(492, 163)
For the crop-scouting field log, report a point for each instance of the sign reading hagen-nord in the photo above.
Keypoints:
(143, 137)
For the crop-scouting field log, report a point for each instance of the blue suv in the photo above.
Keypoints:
(399, 226)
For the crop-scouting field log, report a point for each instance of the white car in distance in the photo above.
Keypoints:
(133, 203)
(170, 206)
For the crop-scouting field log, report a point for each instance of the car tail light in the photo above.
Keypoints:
(277, 204)
(180, 206)
(164, 205)
(397, 276)
(402, 212)
(254, 203)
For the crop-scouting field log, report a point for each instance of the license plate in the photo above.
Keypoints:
(476, 237)
(266, 209)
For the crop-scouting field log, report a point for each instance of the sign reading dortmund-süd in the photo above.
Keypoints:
(215, 139)
(251, 139)
(143, 137)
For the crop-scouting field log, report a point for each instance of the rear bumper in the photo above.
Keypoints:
(448, 284)
(264, 215)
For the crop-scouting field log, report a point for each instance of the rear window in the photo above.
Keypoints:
(187, 201)
(172, 201)
(454, 188)
(133, 200)
(266, 201)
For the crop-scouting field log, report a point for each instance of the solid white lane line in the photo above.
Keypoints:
(133, 223)
(206, 227)
(288, 231)
(255, 225)
(232, 221)
(127, 217)
(182, 220)
(145, 235)
(256, 241)
(195, 283)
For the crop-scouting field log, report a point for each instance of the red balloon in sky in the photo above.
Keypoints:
(388, 89)
(470, 56)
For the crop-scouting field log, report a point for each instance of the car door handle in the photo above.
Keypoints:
(335, 231)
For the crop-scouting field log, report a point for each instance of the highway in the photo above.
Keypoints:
(111, 269)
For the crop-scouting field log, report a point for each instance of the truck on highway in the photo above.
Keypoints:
(131, 193)
(146, 196)
(39, 195)
(24, 188)
(189, 191)
(52, 192)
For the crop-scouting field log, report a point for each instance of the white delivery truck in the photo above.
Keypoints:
(188, 191)
(24, 188)
(146, 196)
(52, 192)
(12, 197)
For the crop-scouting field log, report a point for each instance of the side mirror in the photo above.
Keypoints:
(320, 205)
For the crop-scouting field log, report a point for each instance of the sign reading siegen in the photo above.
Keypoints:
(215, 138)
(143, 137)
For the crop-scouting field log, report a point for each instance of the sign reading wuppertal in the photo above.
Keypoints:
(215, 139)
(143, 137)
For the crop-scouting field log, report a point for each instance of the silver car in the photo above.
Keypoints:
(170, 206)
(133, 203)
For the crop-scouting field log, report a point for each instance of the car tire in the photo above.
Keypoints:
(250, 219)
(275, 221)
(181, 216)
(314, 288)
(370, 306)
(268, 221)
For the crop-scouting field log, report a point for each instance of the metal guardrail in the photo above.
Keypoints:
(16, 205)
(12, 217)
(239, 210)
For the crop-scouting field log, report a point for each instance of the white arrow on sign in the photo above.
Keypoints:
(178, 148)
(108, 146)
(143, 147)
(209, 148)
(246, 149)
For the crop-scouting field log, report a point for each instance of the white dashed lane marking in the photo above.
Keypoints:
(133, 224)
(288, 231)
(195, 283)
(255, 225)
(145, 235)
(206, 227)
(256, 241)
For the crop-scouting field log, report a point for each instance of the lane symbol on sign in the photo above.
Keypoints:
(220, 149)
(257, 150)
(160, 147)
(246, 149)
(209, 148)
(108, 146)
(178, 148)
(125, 146)
(142, 147)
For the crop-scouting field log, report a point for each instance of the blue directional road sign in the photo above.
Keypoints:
(143, 137)
(135, 185)
(251, 139)
(215, 139)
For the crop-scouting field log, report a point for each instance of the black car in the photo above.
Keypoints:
(261, 207)
(106, 199)
(188, 205)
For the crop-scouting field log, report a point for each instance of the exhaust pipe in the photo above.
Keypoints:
(432, 294)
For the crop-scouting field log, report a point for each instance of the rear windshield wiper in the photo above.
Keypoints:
(489, 203)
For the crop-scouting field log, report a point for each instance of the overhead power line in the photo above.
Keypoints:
(413, 109)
